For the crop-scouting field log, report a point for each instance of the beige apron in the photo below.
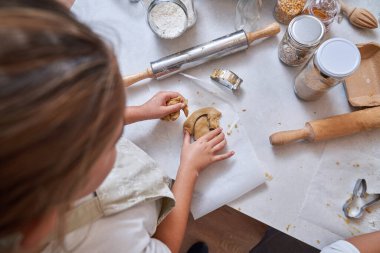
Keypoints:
(134, 179)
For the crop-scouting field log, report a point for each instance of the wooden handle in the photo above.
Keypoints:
(347, 10)
(269, 31)
(332, 127)
(129, 80)
(346, 124)
(286, 137)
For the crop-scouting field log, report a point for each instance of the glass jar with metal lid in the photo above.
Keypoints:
(170, 18)
(334, 60)
(300, 40)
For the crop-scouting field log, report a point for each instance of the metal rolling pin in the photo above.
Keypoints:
(197, 55)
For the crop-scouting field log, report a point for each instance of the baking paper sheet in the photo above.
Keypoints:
(222, 182)
(332, 186)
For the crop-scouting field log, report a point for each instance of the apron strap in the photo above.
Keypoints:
(84, 214)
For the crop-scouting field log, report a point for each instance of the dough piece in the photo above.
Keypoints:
(202, 121)
(175, 115)
(201, 127)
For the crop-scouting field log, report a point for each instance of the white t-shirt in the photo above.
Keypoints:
(340, 247)
(129, 231)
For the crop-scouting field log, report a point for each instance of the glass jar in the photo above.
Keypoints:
(248, 14)
(300, 40)
(286, 10)
(334, 60)
(325, 10)
(169, 19)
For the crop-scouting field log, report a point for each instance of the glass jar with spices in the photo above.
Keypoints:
(325, 10)
(334, 60)
(300, 40)
(170, 18)
(286, 10)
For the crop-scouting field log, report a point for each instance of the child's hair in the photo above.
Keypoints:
(61, 98)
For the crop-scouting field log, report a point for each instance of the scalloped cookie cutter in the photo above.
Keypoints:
(226, 78)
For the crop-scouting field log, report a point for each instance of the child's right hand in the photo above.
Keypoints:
(203, 152)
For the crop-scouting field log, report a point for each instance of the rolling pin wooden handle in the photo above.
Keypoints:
(286, 137)
(129, 80)
(269, 31)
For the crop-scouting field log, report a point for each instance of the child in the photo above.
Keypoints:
(62, 110)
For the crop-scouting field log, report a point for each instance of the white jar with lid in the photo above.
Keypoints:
(334, 60)
(300, 40)
(170, 18)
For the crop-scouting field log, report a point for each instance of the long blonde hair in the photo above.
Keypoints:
(61, 97)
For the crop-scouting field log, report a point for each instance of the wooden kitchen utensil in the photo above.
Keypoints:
(363, 87)
(359, 17)
(197, 55)
(333, 127)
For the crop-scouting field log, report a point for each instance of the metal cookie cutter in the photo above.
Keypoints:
(226, 78)
(360, 200)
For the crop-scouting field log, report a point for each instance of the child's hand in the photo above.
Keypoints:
(203, 152)
(156, 107)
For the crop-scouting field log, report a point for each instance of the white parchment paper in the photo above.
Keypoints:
(332, 186)
(222, 182)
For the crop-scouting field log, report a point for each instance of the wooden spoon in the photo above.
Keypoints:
(359, 17)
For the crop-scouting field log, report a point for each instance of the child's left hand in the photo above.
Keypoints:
(156, 107)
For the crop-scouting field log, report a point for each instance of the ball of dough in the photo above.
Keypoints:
(175, 115)
(202, 121)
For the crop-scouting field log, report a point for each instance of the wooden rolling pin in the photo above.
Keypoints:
(197, 55)
(332, 127)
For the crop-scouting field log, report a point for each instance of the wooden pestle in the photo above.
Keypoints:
(332, 127)
(359, 17)
(268, 31)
